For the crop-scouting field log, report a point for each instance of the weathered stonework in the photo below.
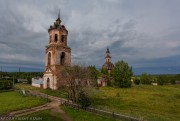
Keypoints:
(58, 55)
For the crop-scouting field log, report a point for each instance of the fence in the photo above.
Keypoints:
(102, 112)
(89, 109)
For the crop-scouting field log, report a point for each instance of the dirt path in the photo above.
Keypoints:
(57, 110)
(54, 106)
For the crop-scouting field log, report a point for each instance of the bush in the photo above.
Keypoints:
(122, 74)
(145, 79)
(84, 100)
(160, 80)
(172, 81)
(6, 84)
(136, 81)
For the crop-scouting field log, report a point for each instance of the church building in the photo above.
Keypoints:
(107, 64)
(58, 55)
(101, 81)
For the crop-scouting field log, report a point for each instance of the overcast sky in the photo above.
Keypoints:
(144, 33)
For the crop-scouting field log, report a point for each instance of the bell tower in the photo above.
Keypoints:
(58, 55)
(107, 64)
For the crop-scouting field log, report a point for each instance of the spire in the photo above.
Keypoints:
(59, 14)
(58, 20)
(107, 51)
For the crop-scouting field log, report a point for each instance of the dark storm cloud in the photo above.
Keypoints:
(142, 33)
(20, 46)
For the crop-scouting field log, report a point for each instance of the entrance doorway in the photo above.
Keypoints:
(48, 83)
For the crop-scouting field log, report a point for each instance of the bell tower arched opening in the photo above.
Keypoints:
(62, 58)
(56, 38)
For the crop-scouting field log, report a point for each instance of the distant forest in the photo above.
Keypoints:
(167, 78)
(19, 75)
(29, 75)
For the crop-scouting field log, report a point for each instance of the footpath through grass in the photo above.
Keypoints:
(11, 101)
(154, 103)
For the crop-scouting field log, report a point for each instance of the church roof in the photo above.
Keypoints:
(57, 24)
(107, 51)
(108, 56)
(58, 19)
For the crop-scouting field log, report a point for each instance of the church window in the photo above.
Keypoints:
(49, 58)
(62, 58)
(56, 37)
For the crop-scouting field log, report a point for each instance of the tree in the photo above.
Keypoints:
(122, 74)
(136, 81)
(160, 80)
(104, 71)
(84, 100)
(173, 81)
(6, 84)
(145, 78)
(76, 79)
(93, 74)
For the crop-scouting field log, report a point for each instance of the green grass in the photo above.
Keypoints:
(11, 101)
(154, 103)
(57, 93)
(80, 115)
(44, 115)
(27, 87)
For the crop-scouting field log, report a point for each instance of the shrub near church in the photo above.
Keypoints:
(122, 74)
(5, 84)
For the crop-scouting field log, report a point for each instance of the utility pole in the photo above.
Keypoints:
(13, 80)
(1, 72)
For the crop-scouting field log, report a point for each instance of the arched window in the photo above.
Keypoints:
(62, 58)
(48, 83)
(56, 37)
(49, 58)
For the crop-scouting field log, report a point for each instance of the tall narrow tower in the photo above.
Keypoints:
(107, 64)
(58, 55)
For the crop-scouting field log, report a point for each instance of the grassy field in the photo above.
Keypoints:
(154, 103)
(79, 115)
(44, 115)
(11, 101)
